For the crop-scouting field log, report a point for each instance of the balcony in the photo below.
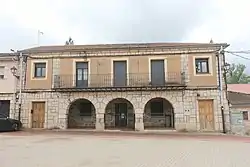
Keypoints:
(107, 82)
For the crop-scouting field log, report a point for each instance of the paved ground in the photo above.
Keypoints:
(71, 150)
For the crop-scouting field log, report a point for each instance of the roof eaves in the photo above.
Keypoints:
(7, 56)
(244, 93)
(80, 48)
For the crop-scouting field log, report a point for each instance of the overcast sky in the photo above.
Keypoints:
(122, 21)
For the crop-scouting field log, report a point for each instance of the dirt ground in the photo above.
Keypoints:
(23, 149)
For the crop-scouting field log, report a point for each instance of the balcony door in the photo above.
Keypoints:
(120, 73)
(157, 73)
(82, 74)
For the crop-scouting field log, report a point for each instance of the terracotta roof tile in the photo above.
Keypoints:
(240, 88)
(59, 48)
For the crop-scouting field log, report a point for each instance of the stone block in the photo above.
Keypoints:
(180, 126)
(191, 127)
(238, 130)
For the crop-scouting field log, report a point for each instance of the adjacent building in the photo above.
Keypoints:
(8, 85)
(239, 99)
(125, 86)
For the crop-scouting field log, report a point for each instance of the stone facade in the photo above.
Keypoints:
(184, 102)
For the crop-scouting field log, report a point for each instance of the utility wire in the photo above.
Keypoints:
(235, 54)
(243, 52)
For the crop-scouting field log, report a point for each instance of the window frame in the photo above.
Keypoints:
(83, 73)
(75, 61)
(113, 60)
(211, 58)
(41, 68)
(245, 115)
(199, 61)
(165, 66)
(2, 73)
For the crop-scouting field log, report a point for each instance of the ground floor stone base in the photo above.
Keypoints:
(184, 103)
(239, 124)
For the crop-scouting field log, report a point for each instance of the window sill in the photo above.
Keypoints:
(39, 78)
(203, 74)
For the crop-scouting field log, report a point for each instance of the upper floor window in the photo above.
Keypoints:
(202, 65)
(40, 70)
(245, 115)
(2, 69)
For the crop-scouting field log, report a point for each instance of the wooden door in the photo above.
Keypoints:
(206, 115)
(38, 114)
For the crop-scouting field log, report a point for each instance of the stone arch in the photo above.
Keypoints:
(159, 113)
(119, 114)
(81, 114)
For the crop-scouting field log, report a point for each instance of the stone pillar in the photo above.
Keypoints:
(139, 125)
(62, 121)
(184, 67)
(62, 107)
(100, 124)
(55, 73)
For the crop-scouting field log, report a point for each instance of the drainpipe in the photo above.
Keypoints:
(225, 79)
(20, 86)
(220, 56)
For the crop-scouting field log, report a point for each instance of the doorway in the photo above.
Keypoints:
(121, 114)
(81, 74)
(81, 114)
(38, 114)
(157, 73)
(159, 113)
(5, 107)
(206, 115)
(120, 73)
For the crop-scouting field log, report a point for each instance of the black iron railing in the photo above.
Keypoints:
(110, 80)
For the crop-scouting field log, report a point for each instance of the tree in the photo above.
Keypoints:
(69, 41)
(236, 74)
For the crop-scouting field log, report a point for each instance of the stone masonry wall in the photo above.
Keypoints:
(184, 102)
(239, 125)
